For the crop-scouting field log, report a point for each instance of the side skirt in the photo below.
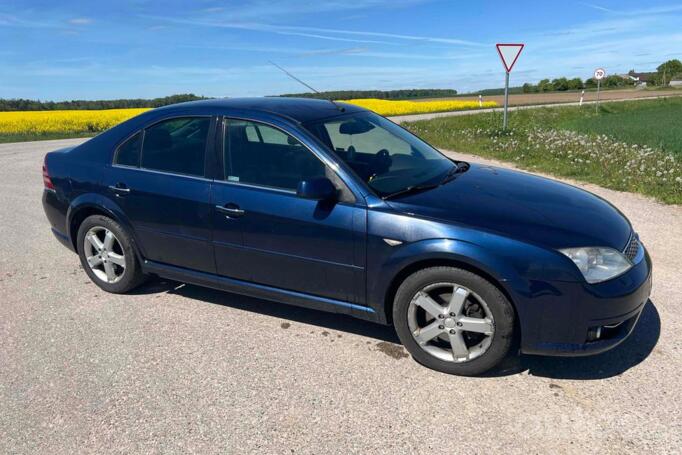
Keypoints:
(258, 290)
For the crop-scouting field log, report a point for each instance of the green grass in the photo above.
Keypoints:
(5, 138)
(628, 146)
(657, 124)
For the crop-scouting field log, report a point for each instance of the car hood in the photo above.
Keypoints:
(521, 206)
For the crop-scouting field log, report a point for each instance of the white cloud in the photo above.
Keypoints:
(597, 7)
(80, 21)
(429, 39)
(259, 9)
(9, 20)
(333, 38)
(333, 57)
(315, 32)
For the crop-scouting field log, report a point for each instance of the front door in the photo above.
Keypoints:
(158, 180)
(264, 233)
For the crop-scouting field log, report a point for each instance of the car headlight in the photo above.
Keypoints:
(598, 264)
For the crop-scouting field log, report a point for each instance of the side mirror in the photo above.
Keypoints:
(318, 189)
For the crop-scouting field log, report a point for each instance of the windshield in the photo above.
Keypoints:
(387, 157)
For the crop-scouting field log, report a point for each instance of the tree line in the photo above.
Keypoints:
(35, 105)
(563, 84)
(380, 94)
(665, 72)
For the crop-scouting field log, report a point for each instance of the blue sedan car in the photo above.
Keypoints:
(329, 206)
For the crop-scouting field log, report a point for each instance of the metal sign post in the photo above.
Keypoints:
(509, 53)
(599, 74)
(506, 99)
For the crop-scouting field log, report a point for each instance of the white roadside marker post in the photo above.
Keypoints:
(509, 53)
(582, 95)
(480, 100)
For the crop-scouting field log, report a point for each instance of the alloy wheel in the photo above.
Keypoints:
(104, 254)
(450, 322)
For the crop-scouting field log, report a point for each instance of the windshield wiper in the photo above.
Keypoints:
(411, 189)
(460, 167)
(457, 169)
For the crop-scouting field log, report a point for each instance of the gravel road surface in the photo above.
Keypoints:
(176, 368)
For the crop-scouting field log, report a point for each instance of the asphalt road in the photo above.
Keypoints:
(179, 369)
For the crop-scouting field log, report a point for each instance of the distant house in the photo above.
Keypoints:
(677, 83)
(640, 78)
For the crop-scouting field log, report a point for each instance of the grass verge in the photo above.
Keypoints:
(629, 146)
(5, 138)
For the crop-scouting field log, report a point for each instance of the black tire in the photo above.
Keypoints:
(501, 309)
(132, 276)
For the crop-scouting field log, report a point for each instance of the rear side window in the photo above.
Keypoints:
(262, 155)
(177, 145)
(128, 153)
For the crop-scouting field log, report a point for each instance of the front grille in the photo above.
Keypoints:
(632, 248)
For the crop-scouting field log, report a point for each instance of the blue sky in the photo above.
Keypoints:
(56, 50)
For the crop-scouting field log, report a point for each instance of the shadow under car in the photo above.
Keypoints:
(628, 354)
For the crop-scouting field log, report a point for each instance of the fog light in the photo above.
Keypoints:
(593, 333)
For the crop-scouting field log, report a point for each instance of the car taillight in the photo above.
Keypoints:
(47, 181)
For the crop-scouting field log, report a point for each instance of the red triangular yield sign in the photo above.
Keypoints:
(509, 53)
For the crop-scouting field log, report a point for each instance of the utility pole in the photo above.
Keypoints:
(665, 68)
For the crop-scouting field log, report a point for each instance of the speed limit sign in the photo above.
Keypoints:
(599, 74)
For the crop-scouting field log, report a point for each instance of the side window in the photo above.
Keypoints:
(278, 161)
(177, 145)
(128, 153)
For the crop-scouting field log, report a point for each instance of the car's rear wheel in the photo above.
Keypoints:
(107, 254)
(453, 320)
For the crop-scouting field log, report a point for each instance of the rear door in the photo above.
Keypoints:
(159, 179)
(265, 234)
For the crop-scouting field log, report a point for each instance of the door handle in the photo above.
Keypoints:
(119, 189)
(230, 210)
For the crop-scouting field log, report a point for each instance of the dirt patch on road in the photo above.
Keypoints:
(392, 350)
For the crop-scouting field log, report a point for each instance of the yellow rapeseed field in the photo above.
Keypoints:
(82, 122)
(386, 107)
(62, 122)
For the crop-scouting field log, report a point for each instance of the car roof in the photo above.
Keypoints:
(299, 109)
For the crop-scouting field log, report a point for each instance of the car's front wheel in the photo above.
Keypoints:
(107, 254)
(454, 321)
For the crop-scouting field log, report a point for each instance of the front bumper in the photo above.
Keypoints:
(576, 319)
